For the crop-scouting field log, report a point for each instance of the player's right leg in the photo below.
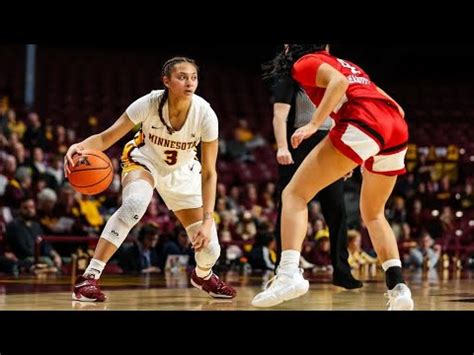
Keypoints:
(137, 192)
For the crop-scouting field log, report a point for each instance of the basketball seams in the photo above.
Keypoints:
(108, 162)
(94, 184)
(85, 169)
(89, 169)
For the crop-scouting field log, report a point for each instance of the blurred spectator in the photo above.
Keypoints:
(406, 186)
(69, 209)
(320, 254)
(157, 216)
(226, 226)
(141, 256)
(260, 257)
(47, 199)
(444, 191)
(424, 169)
(238, 151)
(314, 211)
(21, 235)
(89, 207)
(34, 135)
(55, 169)
(442, 226)
(467, 197)
(4, 130)
(244, 134)
(320, 229)
(416, 218)
(178, 244)
(426, 254)
(397, 215)
(221, 193)
(60, 143)
(38, 163)
(20, 153)
(251, 196)
(246, 228)
(15, 126)
(3, 178)
(357, 256)
(234, 200)
(18, 188)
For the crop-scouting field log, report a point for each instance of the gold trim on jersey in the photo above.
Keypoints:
(139, 138)
(128, 164)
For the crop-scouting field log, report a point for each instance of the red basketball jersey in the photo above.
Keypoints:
(360, 86)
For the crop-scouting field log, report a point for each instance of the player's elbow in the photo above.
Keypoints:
(341, 83)
(209, 174)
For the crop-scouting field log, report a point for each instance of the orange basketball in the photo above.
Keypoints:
(92, 172)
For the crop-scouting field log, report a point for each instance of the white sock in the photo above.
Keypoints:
(387, 264)
(290, 260)
(95, 268)
(206, 275)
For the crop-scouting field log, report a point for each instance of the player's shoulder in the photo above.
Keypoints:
(155, 96)
(200, 102)
(202, 107)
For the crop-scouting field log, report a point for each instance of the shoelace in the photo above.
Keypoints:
(274, 278)
(222, 286)
(269, 282)
(390, 295)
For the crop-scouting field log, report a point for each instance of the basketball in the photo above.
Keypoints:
(92, 172)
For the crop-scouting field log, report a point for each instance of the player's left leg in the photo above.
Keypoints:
(330, 165)
(202, 276)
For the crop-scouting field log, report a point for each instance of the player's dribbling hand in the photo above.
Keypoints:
(73, 149)
(303, 133)
(201, 238)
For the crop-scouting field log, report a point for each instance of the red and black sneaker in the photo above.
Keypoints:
(87, 289)
(214, 286)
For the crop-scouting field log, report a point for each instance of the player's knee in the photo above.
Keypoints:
(133, 208)
(370, 215)
(207, 257)
(292, 194)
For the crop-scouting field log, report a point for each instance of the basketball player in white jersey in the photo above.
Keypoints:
(163, 156)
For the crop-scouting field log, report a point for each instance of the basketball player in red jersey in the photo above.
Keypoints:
(370, 131)
(162, 156)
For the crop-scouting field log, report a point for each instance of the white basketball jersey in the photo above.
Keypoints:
(170, 151)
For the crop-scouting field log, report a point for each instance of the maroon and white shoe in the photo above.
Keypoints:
(214, 286)
(87, 289)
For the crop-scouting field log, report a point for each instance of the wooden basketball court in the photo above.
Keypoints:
(434, 290)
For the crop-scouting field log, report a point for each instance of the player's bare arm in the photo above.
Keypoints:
(336, 85)
(100, 141)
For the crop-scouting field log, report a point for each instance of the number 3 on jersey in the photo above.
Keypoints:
(171, 157)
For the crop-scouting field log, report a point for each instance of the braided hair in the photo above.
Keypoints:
(166, 71)
(280, 66)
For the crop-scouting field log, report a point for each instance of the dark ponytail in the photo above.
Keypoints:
(280, 66)
(163, 99)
